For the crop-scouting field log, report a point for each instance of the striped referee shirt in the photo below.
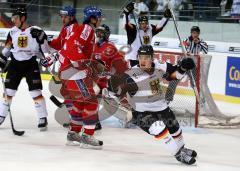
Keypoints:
(195, 48)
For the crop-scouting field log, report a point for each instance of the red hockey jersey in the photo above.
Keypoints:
(78, 48)
(112, 59)
(64, 35)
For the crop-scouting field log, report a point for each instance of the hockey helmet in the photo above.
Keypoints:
(146, 50)
(105, 30)
(68, 10)
(92, 11)
(143, 19)
(20, 12)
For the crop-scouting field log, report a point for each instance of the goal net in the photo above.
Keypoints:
(183, 99)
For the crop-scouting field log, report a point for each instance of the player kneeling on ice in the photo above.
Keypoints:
(22, 45)
(144, 88)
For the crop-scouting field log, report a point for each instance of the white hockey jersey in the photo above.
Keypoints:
(151, 91)
(24, 46)
(137, 37)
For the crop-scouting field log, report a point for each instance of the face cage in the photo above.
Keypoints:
(102, 34)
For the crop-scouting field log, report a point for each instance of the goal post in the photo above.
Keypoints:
(184, 102)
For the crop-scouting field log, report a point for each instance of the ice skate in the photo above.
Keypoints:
(42, 124)
(183, 157)
(89, 141)
(190, 152)
(73, 138)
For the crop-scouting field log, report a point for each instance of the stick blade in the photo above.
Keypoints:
(18, 133)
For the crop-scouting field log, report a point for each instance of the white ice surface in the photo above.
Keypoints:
(124, 149)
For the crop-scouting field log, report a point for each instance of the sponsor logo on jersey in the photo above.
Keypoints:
(22, 41)
(233, 76)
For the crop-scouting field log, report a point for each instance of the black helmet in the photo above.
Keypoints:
(146, 50)
(106, 31)
(142, 19)
(20, 11)
(195, 28)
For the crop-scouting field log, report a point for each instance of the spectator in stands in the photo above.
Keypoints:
(141, 8)
(186, 10)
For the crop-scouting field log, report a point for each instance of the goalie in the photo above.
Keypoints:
(143, 86)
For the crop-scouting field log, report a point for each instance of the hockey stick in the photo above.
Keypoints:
(201, 101)
(137, 27)
(15, 132)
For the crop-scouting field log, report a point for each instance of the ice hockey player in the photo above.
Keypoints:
(144, 88)
(70, 24)
(106, 52)
(23, 46)
(143, 33)
(77, 82)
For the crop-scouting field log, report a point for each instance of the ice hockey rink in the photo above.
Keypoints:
(124, 149)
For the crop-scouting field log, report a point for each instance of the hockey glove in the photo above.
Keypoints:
(185, 65)
(129, 8)
(3, 61)
(38, 34)
(49, 60)
(167, 13)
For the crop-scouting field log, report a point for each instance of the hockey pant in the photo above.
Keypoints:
(163, 125)
(82, 104)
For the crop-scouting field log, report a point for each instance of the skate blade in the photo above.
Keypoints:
(43, 129)
(88, 146)
(72, 143)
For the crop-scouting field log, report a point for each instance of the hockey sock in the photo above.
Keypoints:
(178, 137)
(40, 106)
(89, 129)
(75, 127)
(161, 133)
(4, 107)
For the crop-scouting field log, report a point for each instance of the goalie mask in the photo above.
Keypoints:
(145, 57)
(102, 33)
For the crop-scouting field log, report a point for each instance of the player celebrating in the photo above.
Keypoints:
(142, 35)
(77, 83)
(143, 86)
(23, 46)
(70, 24)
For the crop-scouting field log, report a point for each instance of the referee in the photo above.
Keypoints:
(194, 46)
